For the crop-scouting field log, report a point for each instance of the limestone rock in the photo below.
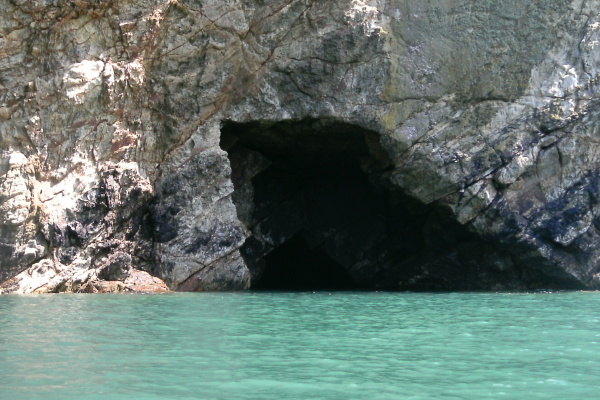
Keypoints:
(163, 137)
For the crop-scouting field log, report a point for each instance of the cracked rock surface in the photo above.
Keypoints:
(135, 135)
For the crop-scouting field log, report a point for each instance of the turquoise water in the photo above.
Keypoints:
(301, 346)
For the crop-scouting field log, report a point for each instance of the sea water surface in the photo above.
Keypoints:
(265, 345)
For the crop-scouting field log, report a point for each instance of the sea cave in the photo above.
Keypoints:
(321, 214)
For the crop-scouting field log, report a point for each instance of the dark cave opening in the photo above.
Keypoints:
(321, 215)
(304, 191)
(295, 266)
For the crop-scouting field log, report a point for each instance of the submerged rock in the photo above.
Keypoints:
(396, 144)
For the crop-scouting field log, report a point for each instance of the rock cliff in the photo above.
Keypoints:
(234, 144)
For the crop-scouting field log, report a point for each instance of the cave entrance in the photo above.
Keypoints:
(307, 191)
(321, 214)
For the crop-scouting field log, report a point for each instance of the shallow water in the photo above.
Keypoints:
(341, 345)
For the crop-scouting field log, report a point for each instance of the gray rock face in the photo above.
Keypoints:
(373, 144)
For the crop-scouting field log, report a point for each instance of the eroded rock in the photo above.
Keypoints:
(482, 118)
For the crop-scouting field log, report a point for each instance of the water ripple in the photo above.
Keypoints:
(300, 346)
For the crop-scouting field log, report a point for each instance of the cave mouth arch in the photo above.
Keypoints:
(309, 192)
(316, 199)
